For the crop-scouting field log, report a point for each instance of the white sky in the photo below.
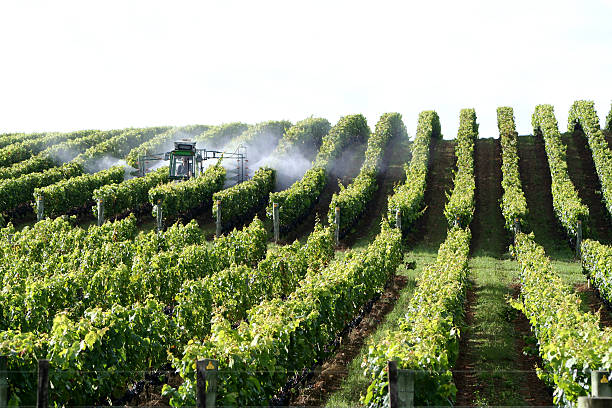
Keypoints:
(68, 65)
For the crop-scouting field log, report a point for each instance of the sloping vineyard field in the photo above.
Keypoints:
(479, 266)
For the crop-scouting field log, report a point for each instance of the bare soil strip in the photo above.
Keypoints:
(582, 172)
(397, 153)
(536, 182)
(537, 394)
(330, 375)
(429, 231)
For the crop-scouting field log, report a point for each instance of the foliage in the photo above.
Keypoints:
(12, 138)
(296, 201)
(20, 190)
(583, 113)
(570, 341)
(34, 164)
(513, 205)
(409, 197)
(597, 263)
(305, 136)
(65, 195)
(119, 145)
(178, 198)
(24, 149)
(352, 200)
(283, 336)
(234, 290)
(260, 138)
(218, 136)
(609, 120)
(240, 202)
(110, 342)
(460, 206)
(129, 194)
(427, 337)
(568, 206)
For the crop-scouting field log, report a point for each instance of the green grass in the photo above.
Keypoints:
(356, 383)
(422, 253)
(491, 348)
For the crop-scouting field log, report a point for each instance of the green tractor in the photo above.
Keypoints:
(187, 161)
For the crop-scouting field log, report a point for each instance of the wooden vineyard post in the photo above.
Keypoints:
(218, 206)
(401, 386)
(159, 216)
(100, 204)
(40, 207)
(42, 400)
(337, 224)
(206, 377)
(3, 382)
(600, 384)
(601, 391)
(398, 219)
(276, 220)
(517, 228)
(579, 239)
(594, 402)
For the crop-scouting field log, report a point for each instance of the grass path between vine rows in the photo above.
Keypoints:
(422, 245)
(490, 369)
(329, 375)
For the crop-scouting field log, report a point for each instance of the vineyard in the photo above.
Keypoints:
(351, 267)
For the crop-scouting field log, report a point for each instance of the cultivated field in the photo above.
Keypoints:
(482, 263)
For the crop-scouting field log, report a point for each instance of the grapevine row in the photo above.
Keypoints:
(53, 246)
(14, 192)
(514, 204)
(11, 138)
(352, 200)
(305, 136)
(583, 113)
(119, 145)
(295, 202)
(566, 203)
(122, 273)
(119, 198)
(17, 152)
(570, 341)
(106, 343)
(426, 338)
(75, 192)
(460, 207)
(178, 198)
(408, 198)
(19, 190)
(240, 202)
(260, 138)
(220, 135)
(597, 263)
(230, 293)
(284, 336)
